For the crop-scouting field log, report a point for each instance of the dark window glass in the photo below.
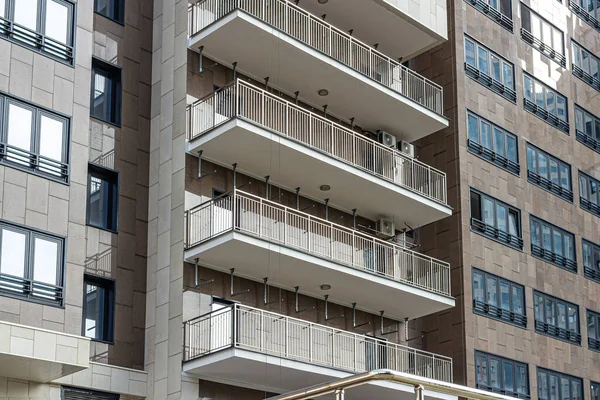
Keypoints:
(595, 391)
(499, 11)
(98, 308)
(498, 298)
(556, 317)
(549, 172)
(113, 9)
(546, 103)
(591, 260)
(103, 192)
(500, 374)
(542, 35)
(556, 386)
(589, 193)
(79, 394)
(496, 219)
(106, 92)
(585, 65)
(553, 244)
(593, 329)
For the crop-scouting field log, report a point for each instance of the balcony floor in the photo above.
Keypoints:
(255, 258)
(263, 372)
(260, 152)
(261, 50)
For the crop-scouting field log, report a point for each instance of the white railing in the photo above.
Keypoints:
(282, 336)
(335, 43)
(246, 101)
(253, 215)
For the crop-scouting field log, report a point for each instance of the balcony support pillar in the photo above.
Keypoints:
(339, 394)
(419, 392)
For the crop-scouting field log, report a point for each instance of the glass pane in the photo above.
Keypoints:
(513, 223)
(554, 171)
(507, 75)
(498, 141)
(576, 54)
(593, 193)
(522, 384)
(57, 21)
(536, 237)
(501, 220)
(589, 125)
(505, 8)
(51, 138)
(472, 127)
(92, 310)
(557, 41)
(482, 60)
(573, 319)
(596, 130)
(538, 307)
(591, 326)
(511, 148)
(528, 88)
(554, 387)
(475, 206)
(562, 316)
(2, 7)
(579, 120)
(97, 207)
(525, 18)
(542, 165)
(550, 102)
(547, 237)
(550, 312)
(101, 100)
(542, 386)
(546, 34)
(565, 388)
(561, 107)
(505, 295)
(595, 390)
(12, 259)
(508, 375)
(478, 287)
(26, 13)
(103, 7)
(583, 187)
(488, 211)
(557, 242)
(576, 390)
(587, 255)
(539, 95)
(536, 28)
(569, 247)
(482, 372)
(495, 373)
(531, 159)
(594, 67)
(585, 61)
(492, 291)
(518, 300)
(45, 261)
(565, 177)
(470, 53)
(20, 124)
(486, 135)
(496, 72)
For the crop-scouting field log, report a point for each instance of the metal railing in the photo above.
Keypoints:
(322, 36)
(253, 215)
(248, 102)
(282, 336)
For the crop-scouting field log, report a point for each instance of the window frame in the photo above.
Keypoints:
(581, 135)
(495, 14)
(478, 149)
(542, 113)
(579, 70)
(118, 16)
(493, 232)
(593, 343)
(109, 315)
(585, 14)
(496, 311)
(538, 43)
(559, 377)
(553, 330)
(594, 387)
(116, 99)
(588, 270)
(585, 202)
(546, 183)
(501, 379)
(32, 290)
(485, 78)
(114, 179)
(551, 256)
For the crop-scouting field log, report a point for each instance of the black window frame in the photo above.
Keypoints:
(498, 15)
(491, 155)
(595, 387)
(553, 330)
(585, 15)
(552, 256)
(79, 393)
(37, 40)
(579, 71)
(113, 73)
(118, 11)
(542, 113)
(590, 140)
(108, 315)
(585, 202)
(485, 78)
(559, 377)
(556, 55)
(493, 232)
(545, 182)
(591, 253)
(112, 200)
(593, 342)
(31, 161)
(26, 288)
(516, 365)
(497, 312)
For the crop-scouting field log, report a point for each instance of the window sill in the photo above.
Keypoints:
(549, 186)
(499, 314)
(584, 15)
(591, 274)
(495, 234)
(492, 84)
(546, 116)
(587, 141)
(116, 231)
(492, 14)
(504, 392)
(113, 124)
(554, 259)
(493, 158)
(116, 21)
(589, 206)
(557, 333)
(585, 77)
(111, 342)
(543, 48)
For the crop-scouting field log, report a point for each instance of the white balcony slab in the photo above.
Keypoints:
(260, 152)
(261, 50)
(40, 355)
(263, 372)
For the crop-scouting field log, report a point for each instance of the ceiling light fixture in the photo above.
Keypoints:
(323, 92)
(323, 1)
(325, 286)
(325, 188)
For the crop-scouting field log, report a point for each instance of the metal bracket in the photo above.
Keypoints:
(234, 68)
(354, 318)
(232, 293)
(298, 198)
(406, 329)
(201, 69)
(200, 174)
(354, 220)
(267, 192)
(339, 394)
(326, 209)
(234, 176)
(382, 332)
(327, 318)
(298, 310)
(266, 295)
(197, 282)
(296, 94)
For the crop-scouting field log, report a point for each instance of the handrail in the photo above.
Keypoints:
(327, 39)
(263, 331)
(246, 101)
(253, 215)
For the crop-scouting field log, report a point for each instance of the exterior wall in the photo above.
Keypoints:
(431, 13)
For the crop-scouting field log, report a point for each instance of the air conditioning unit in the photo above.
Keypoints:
(407, 149)
(387, 139)
(385, 228)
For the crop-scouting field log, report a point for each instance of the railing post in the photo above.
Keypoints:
(260, 217)
(262, 330)
(234, 326)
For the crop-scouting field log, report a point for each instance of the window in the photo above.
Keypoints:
(593, 326)
(595, 390)
(557, 318)
(102, 200)
(556, 386)
(45, 26)
(499, 11)
(79, 394)
(489, 69)
(549, 173)
(492, 143)
(588, 10)
(496, 220)
(585, 65)
(106, 92)
(545, 103)
(587, 128)
(34, 139)
(589, 196)
(98, 308)
(591, 260)
(31, 264)
(501, 375)
(113, 9)
(499, 298)
(542, 35)
(553, 244)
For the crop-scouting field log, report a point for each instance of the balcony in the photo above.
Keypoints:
(246, 125)
(40, 355)
(300, 51)
(255, 235)
(273, 352)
